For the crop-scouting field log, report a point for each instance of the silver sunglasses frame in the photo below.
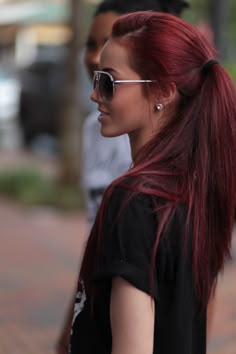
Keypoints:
(114, 82)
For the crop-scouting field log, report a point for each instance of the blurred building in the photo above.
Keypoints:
(33, 51)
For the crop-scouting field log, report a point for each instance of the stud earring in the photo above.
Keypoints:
(159, 107)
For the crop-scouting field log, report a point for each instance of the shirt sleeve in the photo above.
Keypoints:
(127, 242)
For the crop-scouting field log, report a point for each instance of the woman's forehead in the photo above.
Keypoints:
(115, 59)
(114, 53)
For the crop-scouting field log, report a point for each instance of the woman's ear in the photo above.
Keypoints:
(168, 98)
(170, 95)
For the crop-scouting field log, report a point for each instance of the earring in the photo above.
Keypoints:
(159, 107)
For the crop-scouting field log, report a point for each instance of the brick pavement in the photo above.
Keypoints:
(38, 265)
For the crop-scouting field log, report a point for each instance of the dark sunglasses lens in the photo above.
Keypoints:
(105, 87)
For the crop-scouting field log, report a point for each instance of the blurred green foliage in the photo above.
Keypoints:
(30, 187)
(231, 68)
(199, 12)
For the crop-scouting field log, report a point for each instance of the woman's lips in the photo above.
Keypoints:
(102, 115)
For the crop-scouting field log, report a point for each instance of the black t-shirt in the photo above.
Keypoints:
(126, 250)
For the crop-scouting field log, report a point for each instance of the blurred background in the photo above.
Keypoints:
(44, 98)
(44, 89)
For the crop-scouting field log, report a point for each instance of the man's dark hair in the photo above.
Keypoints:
(126, 6)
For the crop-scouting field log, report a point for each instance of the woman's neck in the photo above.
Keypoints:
(137, 141)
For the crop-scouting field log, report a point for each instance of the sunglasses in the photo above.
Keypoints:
(105, 84)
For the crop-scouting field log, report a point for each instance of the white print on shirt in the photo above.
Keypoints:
(79, 301)
(79, 305)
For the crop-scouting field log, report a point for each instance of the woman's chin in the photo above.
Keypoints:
(108, 133)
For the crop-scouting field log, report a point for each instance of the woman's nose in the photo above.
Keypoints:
(95, 96)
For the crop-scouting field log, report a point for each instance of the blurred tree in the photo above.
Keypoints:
(71, 116)
(231, 21)
(218, 13)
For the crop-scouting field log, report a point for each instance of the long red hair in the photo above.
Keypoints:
(193, 158)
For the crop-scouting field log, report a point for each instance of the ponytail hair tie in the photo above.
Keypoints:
(208, 65)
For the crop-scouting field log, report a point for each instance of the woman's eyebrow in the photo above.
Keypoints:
(109, 70)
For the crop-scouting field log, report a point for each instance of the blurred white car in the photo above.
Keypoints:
(10, 136)
(9, 95)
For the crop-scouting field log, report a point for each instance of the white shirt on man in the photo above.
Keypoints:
(104, 159)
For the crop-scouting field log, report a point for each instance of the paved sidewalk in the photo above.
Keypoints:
(38, 265)
(39, 256)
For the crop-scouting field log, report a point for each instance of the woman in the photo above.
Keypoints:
(105, 159)
(163, 230)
